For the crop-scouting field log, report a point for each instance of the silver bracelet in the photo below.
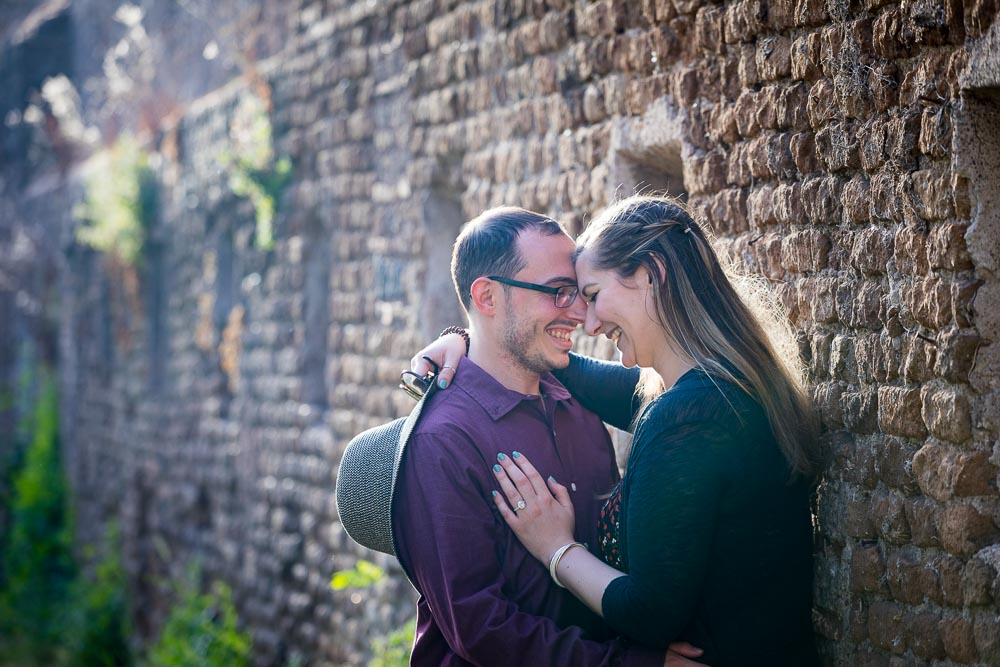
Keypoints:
(557, 557)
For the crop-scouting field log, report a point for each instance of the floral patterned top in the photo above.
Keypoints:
(608, 527)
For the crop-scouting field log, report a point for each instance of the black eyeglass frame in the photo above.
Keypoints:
(574, 290)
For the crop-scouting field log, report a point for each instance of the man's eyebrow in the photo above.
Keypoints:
(560, 279)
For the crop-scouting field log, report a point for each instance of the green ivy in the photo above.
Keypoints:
(202, 629)
(253, 171)
(363, 575)
(119, 201)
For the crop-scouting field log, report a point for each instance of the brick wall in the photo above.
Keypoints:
(847, 151)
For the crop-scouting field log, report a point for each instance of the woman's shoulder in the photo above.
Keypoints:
(702, 397)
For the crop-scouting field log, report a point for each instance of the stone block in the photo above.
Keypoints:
(747, 120)
(857, 195)
(947, 248)
(957, 353)
(809, 14)
(981, 579)
(883, 81)
(821, 106)
(857, 520)
(871, 249)
(889, 517)
(821, 198)
(910, 250)
(887, 626)
(749, 76)
(860, 410)
(837, 146)
(924, 635)
(805, 251)
(932, 195)
(744, 20)
(904, 575)
(899, 412)
(964, 530)
(805, 55)
(774, 57)
(786, 204)
(886, 31)
(920, 515)
(767, 107)
(803, 149)
(987, 638)
(902, 140)
(919, 356)
(947, 412)
(893, 461)
(958, 638)
(868, 572)
(708, 29)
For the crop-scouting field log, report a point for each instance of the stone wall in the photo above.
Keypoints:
(845, 150)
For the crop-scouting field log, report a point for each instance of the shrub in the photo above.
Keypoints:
(37, 558)
(393, 650)
(201, 629)
(100, 625)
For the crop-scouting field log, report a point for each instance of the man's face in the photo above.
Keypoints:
(534, 333)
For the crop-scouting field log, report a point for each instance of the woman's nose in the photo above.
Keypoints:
(591, 324)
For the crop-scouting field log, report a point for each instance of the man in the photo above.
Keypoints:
(484, 599)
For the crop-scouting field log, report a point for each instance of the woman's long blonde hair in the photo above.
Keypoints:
(744, 339)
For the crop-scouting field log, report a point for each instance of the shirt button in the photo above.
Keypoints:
(573, 486)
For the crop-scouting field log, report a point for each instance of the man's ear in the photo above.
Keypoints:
(483, 296)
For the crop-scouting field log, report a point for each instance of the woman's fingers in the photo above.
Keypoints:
(421, 364)
(560, 492)
(513, 494)
(525, 484)
(505, 511)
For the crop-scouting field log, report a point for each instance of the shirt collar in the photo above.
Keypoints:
(496, 399)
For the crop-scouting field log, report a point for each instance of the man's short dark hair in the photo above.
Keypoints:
(487, 246)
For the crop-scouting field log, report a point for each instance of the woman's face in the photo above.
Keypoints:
(621, 309)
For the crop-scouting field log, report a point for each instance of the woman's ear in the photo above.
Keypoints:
(483, 296)
(658, 273)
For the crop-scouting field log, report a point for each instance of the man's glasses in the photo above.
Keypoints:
(564, 296)
(415, 385)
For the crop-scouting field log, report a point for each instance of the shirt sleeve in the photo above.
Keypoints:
(451, 544)
(674, 484)
(606, 388)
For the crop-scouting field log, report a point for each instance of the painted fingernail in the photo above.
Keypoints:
(497, 468)
(516, 455)
(442, 383)
(552, 479)
(500, 456)
(494, 494)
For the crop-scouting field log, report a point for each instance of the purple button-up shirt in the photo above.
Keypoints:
(484, 600)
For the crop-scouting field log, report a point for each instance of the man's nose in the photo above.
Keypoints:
(577, 310)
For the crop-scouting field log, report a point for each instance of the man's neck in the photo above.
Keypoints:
(512, 375)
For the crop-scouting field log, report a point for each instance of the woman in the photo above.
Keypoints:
(708, 537)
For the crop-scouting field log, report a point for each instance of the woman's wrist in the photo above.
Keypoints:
(557, 557)
(461, 331)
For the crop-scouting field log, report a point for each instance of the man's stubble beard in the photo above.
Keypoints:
(519, 341)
